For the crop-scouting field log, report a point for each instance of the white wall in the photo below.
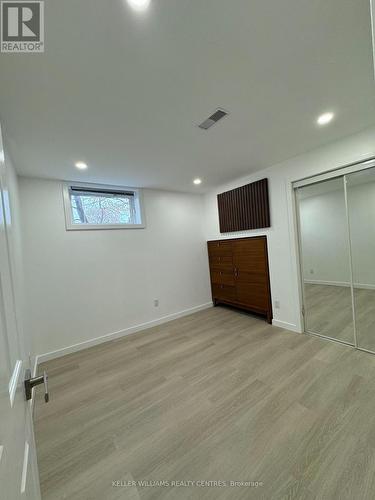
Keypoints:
(281, 235)
(81, 285)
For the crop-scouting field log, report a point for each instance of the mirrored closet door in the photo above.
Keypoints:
(325, 260)
(360, 188)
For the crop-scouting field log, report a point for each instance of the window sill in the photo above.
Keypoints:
(96, 227)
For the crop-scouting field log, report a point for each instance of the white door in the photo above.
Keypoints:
(19, 478)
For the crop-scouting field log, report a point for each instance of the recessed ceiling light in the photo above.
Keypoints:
(139, 5)
(81, 165)
(325, 118)
(197, 181)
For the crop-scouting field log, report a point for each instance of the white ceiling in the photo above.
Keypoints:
(124, 92)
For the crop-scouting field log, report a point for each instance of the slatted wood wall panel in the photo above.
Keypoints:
(246, 207)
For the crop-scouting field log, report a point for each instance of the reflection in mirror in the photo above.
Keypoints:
(361, 208)
(325, 260)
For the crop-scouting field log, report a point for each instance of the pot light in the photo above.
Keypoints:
(325, 118)
(81, 165)
(139, 5)
(197, 181)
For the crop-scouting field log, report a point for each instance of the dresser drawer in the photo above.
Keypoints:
(224, 292)
(219, 248)
(222, 277)
(221, 262)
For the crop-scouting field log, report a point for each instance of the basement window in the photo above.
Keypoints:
(92, 206)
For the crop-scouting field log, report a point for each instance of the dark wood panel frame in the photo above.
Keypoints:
(243, 208)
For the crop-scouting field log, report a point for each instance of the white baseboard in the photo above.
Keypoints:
(286, 326)
(363, 286)
(41, 358)
(331, 283)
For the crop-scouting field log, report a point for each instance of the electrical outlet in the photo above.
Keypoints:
(276, 303)
(156, 303)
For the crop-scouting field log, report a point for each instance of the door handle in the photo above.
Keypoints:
(31, 382)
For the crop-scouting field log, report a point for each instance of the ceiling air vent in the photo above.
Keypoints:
(214, 118)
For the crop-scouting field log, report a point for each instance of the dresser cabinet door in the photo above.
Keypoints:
(250, 271)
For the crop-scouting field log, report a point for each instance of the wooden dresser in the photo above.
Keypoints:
(240, 275)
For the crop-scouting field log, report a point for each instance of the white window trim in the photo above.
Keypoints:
(71, 226)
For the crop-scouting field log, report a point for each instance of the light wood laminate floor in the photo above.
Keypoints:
(216, 396)
(329, 312)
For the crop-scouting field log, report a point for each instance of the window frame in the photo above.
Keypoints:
(71, 226)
